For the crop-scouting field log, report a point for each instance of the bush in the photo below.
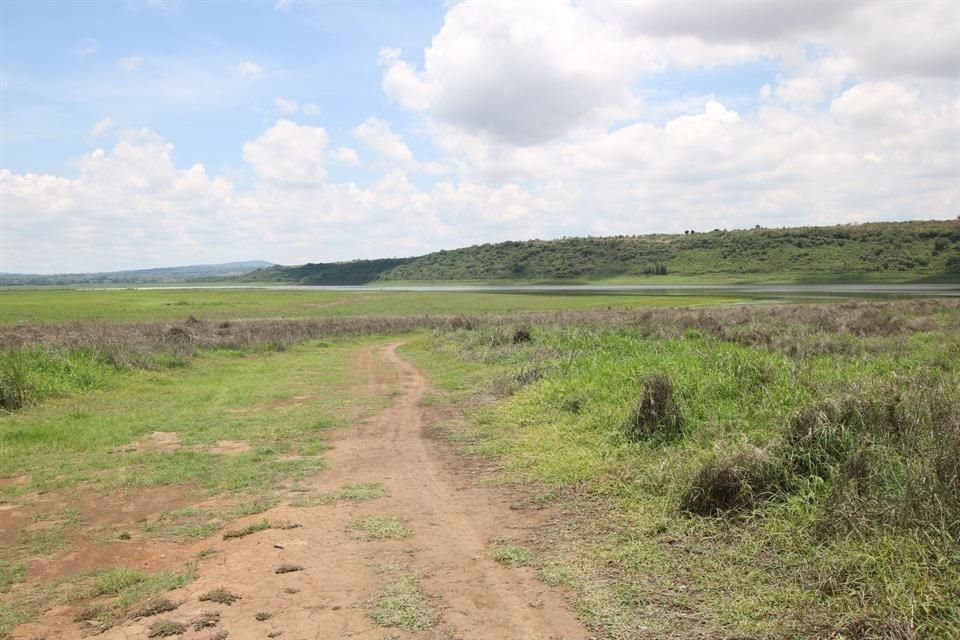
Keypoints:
(13, 382)
(655, 412)
(521, 334)
(738, 482)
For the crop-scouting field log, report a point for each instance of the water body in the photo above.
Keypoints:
(771, 291)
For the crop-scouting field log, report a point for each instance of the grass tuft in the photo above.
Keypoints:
(288, 568)
(220, 595)
(256, 527)
(512, 556)
(205, 620)
(402, 604)
(737, 482)
(379, 528)
(154, 607)
(165, 628)
(654, 413)
(11, 573)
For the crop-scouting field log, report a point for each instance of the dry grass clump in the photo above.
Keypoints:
(250, 529)
(220, 595)
(155, 606)
(521, 334)
(737, 482)
(165, 628)
(655, 412)
(288, 568)
(205, 620)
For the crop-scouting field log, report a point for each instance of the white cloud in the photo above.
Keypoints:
(814, 81)
(536, 116)
(249, 69)
(282, 5)
(289, 153)
(876, 105)
(101, 127)
(88, 47)
(377, 135)
(130, 63)
(731, 21)
(346, 155)
(285, 106)
(520, 72)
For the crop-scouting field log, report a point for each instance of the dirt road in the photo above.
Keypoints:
(441, 576)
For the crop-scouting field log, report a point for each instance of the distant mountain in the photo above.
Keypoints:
(190, 273)
(884, 251)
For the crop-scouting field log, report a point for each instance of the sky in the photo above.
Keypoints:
(148, 133)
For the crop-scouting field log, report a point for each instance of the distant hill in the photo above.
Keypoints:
(889, 251)
(188, 273)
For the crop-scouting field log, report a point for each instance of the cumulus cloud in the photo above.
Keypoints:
(876, 105)
(130, 63)
(249, 69)
(377, 135)
(101, 127)
(519, 72)
(346, 155)
(88, 47)
(286, 106)
(536, 117)
(289, 153)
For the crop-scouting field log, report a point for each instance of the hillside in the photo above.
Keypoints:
(138, 276)
(889, 251)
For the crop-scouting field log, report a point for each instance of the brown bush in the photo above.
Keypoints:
(738, 482)
(655, 412)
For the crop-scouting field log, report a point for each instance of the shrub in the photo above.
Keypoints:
(13, 382)
(655, 412)
(738, 482)
(521, 334)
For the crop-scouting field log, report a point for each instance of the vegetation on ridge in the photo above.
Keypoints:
(888, 250)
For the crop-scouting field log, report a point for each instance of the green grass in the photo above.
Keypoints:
(250, 529)
(402, 603)
(512, 556)
(807, 487)
(379, 528)
(353, 492)
(115, 305)
(11, 573)
(90, 439)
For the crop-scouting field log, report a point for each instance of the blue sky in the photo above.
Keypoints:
(139, 134)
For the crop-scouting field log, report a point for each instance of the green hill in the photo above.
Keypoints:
(887, 251)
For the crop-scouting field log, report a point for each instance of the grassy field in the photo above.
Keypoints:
(244, 426)
(753, 472)
(726, 471)
(68, 305)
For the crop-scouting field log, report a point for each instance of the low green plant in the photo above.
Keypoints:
(250, 529)
(402, 603)
(220, 595)
(11, 573)
(379, 528)
(512, 556)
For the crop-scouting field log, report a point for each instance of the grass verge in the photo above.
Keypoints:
(796, 477)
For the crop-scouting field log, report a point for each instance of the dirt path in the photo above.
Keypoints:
(432, 491)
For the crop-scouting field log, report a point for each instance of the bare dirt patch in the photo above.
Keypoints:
(279, 403)
(156, 441)
(343, 589)
(226, 447)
